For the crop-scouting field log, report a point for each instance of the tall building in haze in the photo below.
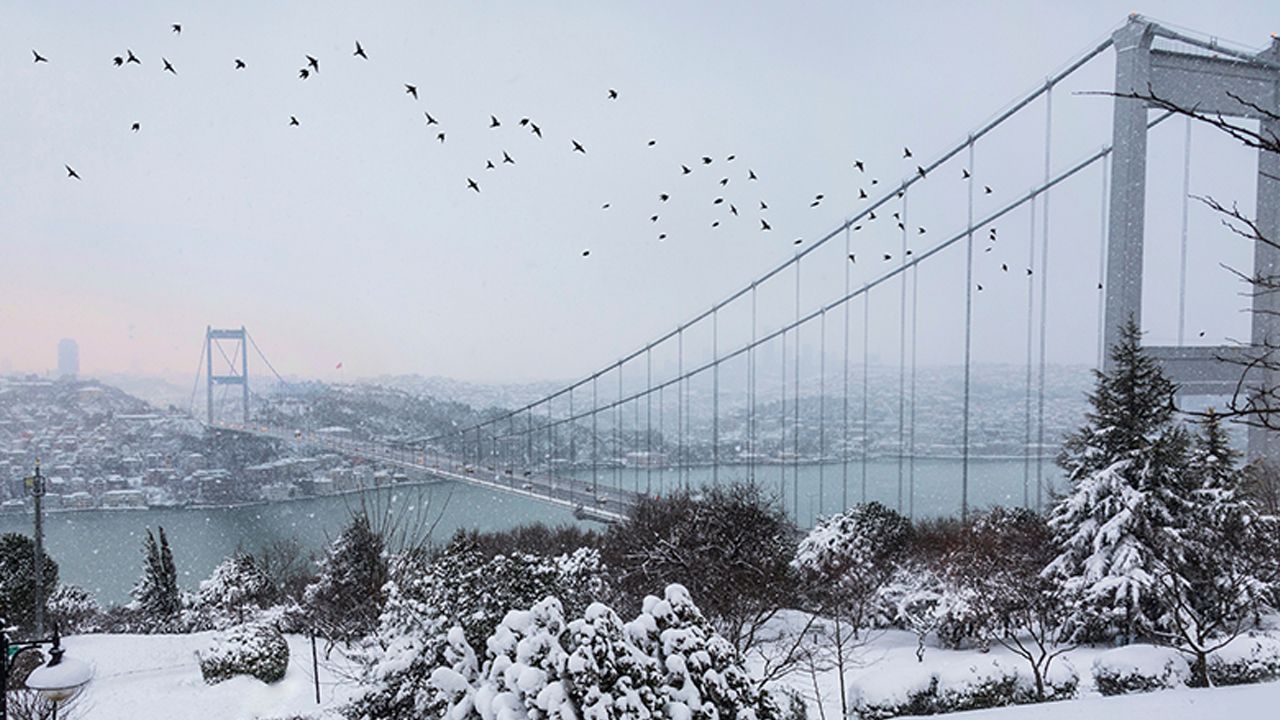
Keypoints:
(68, 359)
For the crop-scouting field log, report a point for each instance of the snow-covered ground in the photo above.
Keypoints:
(157, 677)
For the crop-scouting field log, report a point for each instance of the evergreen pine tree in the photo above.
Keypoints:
(1222, 581)
(156, 593)
(1119, 528)
(347, 597)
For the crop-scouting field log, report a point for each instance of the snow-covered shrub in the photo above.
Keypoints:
(74, 609)
(464, 590)
(1139, 668)
(666, 663)
(924, 690)
(253, 649)
(1246, 659)
(235, 587)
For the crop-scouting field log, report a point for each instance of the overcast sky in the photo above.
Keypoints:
(354, 238)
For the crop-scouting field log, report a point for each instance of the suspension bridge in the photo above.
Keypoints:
(783, 382)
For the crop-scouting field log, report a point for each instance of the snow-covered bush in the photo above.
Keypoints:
(464, 590)
(74, 609)
(235, 587)
(1246, 659)
(666, 663)
(924, 690)
(253, 649)
(1139, 668)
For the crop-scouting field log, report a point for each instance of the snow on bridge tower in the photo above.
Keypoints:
(232, 376)
(1205, 81)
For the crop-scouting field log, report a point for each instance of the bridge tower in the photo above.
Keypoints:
(212, 339)
(1206, 83)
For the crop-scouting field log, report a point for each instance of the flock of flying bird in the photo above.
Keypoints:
(720, 202)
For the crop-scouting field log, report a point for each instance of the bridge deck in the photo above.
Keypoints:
(599, 503)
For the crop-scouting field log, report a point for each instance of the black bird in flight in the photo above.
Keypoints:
(887, 257)
(304, 73)
(411, 90)
(293, 121)
(664, 197)
(488, 164)
(872, 216)
(733, 210)
(920, 230)
(764, 224)
(858, 164)
(724, 181)
(430, 120)
(1099, 286)
(763, 206)
(39, 58)
(586, 253)
(986, 189)
(613, 94)
(853, 258)
(819, 196)
(1004, 267)
(706, 160)
(440, 137)
(920, 170)
(314, 63)
(239, 64)
(652, 143)
(684, 170)
(815, 203)
(360, 51)
(751, 175)
(717, 201)
(493, 121)
(901, 226)
(533, 127)
(906, 152)
(731, 158)
(896, 216)
(71, 173)
(797, 241)
(524, 121)
(507, 158)
(909, 253)
(119, 61)
(862, 194)
(136, 127)
(131, 58)
(715, 224)
(605, 206)
(177, 28)
(577, 147)
(987, 250)
(653, 218)
(1201, 333)
(663, 236)
(965, 175)
(472, 184)
(1028, 272)
(169, 67)
(979, 287)
(856, 228)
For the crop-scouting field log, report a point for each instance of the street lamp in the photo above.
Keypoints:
(57, 680)
(35, 484)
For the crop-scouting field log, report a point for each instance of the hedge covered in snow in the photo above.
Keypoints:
(1139, 668)
(1246, 659)
(923, 690)
(251, 649)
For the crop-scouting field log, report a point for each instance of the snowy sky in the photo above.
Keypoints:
(354, 238)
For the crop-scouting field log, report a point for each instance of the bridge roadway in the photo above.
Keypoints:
(601, 503)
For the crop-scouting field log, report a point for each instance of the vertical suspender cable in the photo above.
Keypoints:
(911, 437)
(822, 412)
(1026, 420)
(1182, 266)
(715, 397)
(844, 442)
(648, 422)
(680, 409)
(595, 467)
(795, 437)
(1102, 262)
(968, 344)
(782, 431)
(617, 436)
(866, 364)
(751, 392)
(1044, 297)
(902, 358)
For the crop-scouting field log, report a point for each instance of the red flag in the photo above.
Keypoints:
(339, 366)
